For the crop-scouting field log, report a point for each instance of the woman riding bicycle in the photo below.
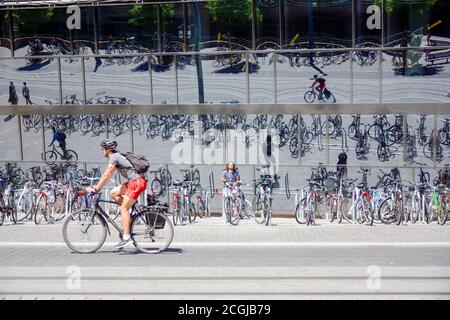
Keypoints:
(321, 88)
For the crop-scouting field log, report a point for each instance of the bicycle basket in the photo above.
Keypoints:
(160, 221)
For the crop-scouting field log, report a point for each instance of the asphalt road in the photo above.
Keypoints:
(210, 260)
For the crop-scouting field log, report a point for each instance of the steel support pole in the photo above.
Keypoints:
(435, 138)
(83, 75)
(131, 133)
(254, 24)
(150, 77)
(247, 77)
(405, 133)
(44, 145)
(176, 77)
(95, 25)
(11, 32)
(275, 93)
(60, 88)
(19, 132)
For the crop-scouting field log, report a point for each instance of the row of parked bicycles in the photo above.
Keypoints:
(299, 135)
(392, 200)
(52, 193)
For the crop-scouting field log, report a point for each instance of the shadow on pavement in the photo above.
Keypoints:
(35, 65)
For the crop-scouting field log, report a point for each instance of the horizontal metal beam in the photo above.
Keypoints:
(338, 108)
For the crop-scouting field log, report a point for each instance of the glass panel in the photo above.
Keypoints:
(187, 80)
(312, 140)
(122, 80)
(404, 19)
(9, 138)
(72, 81)
(294, 82)
(5, 43)
(41, 31)
(366, 73)
(295, 27)
(220, 20)
(418, 150)
(171, 138)
(225, 78)
(41, 80)
(267, 25)
(173, 37)
(84, 38)
(261, 76)
(127, 29)
(368, 25)
(443, 139)
(413, 77)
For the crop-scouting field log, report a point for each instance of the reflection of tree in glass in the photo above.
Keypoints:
(402, 7)
(405, 12)
(32, 19)
(232, 14)
(146, 15)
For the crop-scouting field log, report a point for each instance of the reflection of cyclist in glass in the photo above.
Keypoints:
(321, 85)
(59, 136)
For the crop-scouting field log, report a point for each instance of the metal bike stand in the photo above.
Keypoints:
(166, 182)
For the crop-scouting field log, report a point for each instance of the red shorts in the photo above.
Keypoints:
(135, 188)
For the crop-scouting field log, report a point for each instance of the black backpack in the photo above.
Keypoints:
(342, 158)
(139, 163)
(62, 135)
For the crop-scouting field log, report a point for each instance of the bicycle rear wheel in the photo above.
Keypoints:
(345, 212)
(24, 208)
(192, 212)
(232, 209)
(40, 211)
(300, 214)
(152, 232)
(58, 208)
(84, 231)
(258, 209)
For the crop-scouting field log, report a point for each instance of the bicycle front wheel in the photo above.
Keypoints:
(84, 231)
(310, 96)
(49, 157)
(152, 232)
(258, 209)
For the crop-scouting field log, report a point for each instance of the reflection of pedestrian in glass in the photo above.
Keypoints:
(26, 94)
(98, 63)
(12, 94)
(13, 99)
